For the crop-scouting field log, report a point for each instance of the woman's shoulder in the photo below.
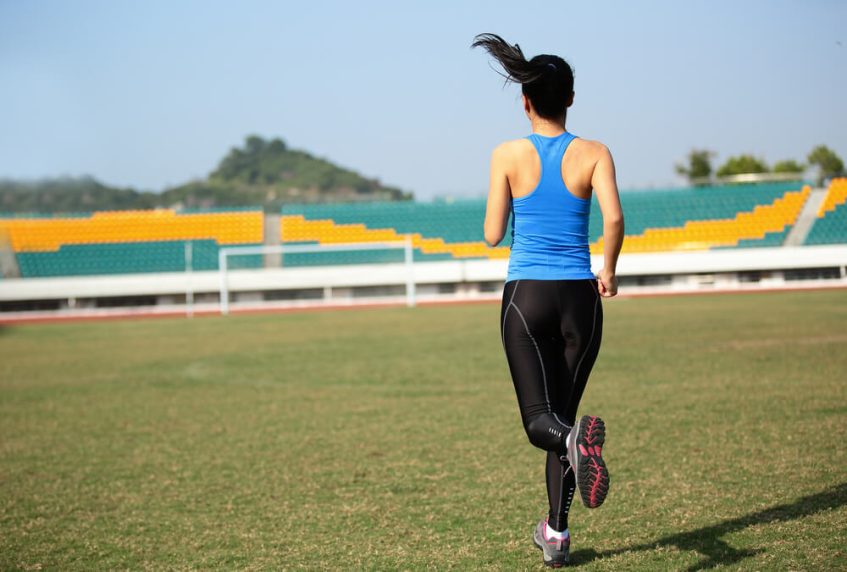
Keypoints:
(512, 149)
(590, 147)
(586, 154)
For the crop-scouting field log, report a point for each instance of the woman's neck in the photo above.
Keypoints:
(547, 127)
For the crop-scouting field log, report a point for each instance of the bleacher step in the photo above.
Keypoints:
(271, 238)
(8, 263)
(798, 233)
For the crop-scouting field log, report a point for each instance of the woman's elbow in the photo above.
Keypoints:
(493, 237)
(613, 221)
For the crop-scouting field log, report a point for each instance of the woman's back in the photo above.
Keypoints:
(523, 167)
(584, 167)
(550, 223)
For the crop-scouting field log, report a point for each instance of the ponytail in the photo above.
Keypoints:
(545, 79)
(511, 58)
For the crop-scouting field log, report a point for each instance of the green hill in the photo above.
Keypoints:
(69, 195)
(262, 172)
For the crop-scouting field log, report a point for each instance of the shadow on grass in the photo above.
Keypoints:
(707, 540)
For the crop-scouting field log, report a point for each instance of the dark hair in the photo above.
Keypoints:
(545, 79)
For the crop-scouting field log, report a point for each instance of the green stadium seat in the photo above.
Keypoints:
(125, 258)
(831, 229)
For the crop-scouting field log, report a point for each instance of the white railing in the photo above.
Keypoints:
(225, 253)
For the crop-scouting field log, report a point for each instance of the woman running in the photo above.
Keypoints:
(551, 318)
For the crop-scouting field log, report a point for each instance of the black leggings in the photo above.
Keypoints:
(551, 333)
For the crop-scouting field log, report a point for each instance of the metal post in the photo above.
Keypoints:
(189, 287)
(410, 273)
(224, 301)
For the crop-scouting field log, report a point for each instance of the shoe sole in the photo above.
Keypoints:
(592, 476)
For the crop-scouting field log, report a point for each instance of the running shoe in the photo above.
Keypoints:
(584, 450)
(556, 552)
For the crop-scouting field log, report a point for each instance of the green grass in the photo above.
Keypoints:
(390, 439)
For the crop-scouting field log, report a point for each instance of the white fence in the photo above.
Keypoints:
(226, 253)
(658, 273)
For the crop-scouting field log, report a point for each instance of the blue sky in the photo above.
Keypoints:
(151, 94)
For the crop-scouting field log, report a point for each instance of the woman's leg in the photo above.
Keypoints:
(581, 320)
(532, 342)
(581, 323)
(561, 485)
(551, 335)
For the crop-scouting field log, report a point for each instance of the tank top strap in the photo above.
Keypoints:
(562, 142)
(551, 150)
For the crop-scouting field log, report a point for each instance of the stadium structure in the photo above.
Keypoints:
(779, 235)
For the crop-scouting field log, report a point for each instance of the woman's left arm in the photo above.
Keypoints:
(499, 199)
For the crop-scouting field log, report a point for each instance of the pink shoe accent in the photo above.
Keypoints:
(582, 450)
(589, 438)
(549, 540)
(597, 448)
(595, 486)
(544, 531)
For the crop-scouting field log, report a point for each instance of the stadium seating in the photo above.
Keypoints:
(37, 234)
(123, 258)
(690, 219)
(831, 224)
(740, 216)
(764, 222)
(118, 242)
(438, 230)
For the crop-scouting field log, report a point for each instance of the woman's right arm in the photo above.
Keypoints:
(499, 204)
(606, 188)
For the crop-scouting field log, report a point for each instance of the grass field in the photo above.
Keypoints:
(390, 439)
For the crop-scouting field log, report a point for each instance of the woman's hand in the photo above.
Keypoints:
(607, 283)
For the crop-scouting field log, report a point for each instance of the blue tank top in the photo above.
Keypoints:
(550, 225)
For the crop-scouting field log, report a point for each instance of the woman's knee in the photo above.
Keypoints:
(546, 432)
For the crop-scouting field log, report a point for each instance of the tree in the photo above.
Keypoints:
(742, 165)
(788, 166)
(254, 145)
(829, 164)
(699, 167)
